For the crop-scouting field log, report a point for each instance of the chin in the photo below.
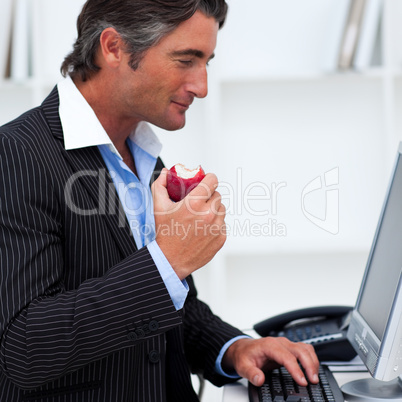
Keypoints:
(172, 125)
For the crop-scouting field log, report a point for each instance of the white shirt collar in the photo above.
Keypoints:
(81, 127)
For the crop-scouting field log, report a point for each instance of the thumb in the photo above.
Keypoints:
(162, 178)
(255, 376)
(160, 184)
(160, 196)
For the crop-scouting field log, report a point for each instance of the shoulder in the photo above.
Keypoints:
(23, 124)
(34, 123)
(38, 130)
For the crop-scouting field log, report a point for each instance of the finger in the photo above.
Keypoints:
(287, 354)
(292, 365)
(221, 211)
(216, 206)
(206, 188)
(310, 362)
(305, 356)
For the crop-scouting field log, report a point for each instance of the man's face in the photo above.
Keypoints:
(170, 75)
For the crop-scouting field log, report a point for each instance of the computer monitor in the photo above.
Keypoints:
(375, 329)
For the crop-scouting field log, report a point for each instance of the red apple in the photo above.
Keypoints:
(180, 180)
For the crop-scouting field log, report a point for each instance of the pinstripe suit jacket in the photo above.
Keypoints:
(84, 315)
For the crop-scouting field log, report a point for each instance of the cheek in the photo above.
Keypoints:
(155, 84)
(155, 89)
(167, 80)
(162, 93)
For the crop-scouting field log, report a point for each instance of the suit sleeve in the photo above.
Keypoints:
(205, 335)
(45, 330)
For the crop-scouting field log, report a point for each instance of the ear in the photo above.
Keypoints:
(111, 47)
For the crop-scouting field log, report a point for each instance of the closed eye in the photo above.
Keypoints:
(178, 54)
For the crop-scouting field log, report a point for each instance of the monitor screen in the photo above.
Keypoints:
(384, 267)
(375, 328)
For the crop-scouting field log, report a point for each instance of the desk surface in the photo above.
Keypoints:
(237, 392)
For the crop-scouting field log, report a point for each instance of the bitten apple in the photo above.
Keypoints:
(180, 181)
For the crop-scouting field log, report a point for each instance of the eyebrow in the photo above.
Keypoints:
(191, 52)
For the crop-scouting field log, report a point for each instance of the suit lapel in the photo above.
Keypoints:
(88, 165)
(94, 176)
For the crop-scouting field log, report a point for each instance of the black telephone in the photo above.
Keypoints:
(323, 327)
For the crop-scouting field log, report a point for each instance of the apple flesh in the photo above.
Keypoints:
(180, 181)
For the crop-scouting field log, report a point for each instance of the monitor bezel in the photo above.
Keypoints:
(379, 356)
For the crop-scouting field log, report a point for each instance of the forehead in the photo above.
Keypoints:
(198, 33)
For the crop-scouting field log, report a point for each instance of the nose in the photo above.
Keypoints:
(199, 83)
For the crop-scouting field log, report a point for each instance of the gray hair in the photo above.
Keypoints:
(140, 23)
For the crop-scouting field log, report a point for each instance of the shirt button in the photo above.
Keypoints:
(132, 336)
(153, 326)
(154, 356)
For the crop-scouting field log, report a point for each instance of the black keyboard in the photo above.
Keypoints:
(279, 386)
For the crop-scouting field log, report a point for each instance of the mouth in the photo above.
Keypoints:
(182, 105)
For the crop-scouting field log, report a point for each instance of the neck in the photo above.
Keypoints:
(128, 158)
(117, 127)
(100, 98)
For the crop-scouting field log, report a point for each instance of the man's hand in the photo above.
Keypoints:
(249, 357)
(191, 231)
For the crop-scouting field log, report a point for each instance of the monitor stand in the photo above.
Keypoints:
(369, 389)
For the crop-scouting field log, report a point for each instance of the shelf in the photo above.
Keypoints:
(29, 83)
(373, 73)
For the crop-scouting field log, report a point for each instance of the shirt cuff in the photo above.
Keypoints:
(177, 289)
(218, 362)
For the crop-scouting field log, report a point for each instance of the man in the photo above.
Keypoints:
(98, 303)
